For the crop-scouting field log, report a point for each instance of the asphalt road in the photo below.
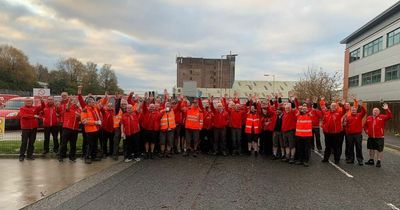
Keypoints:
(209, 182)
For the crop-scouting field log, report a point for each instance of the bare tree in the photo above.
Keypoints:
(318, 83)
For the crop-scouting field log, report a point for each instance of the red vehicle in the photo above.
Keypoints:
(11, 109)
(7, 97)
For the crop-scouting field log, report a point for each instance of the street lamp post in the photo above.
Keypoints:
(273, 81)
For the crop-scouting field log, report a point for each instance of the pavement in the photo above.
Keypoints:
(210, 182)
(23, 183)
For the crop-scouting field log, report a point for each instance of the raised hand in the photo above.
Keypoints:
(385, 106)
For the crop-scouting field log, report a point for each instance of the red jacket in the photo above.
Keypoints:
(71, 117)
(236, 118)
(130, 123)
(289, 120)
(316, 116)
(61, 110)
(26, 115)
(108, 119)
(50, 118)
(375, 126)
(221, 119)
(353, 123)
(208, 120)
(178, 113)
(150, 120)
(269, 121)
(332, 121)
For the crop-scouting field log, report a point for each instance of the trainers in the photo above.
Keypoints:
(137, 159)
(305, 164)
(360, 163)
(224, 153)
(127, 160)
(291, 161)
(378, 164)
(370, 162)
(21, 158)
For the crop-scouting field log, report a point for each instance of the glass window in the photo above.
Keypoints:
(14, 105)
(371, 77)
(354, 81)
(355, 55)
(392, 72)
(373, 47)
(393, 37)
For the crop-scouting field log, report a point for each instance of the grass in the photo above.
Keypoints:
(12, 146)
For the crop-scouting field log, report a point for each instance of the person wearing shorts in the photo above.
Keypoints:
(167, 127)
(253, 128)
(374, 126)
(289, 120)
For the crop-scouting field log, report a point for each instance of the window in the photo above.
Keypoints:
(373, 47)
(355, 55)
(354, 81)
(393, 37)
(371, 77)
(392, 72)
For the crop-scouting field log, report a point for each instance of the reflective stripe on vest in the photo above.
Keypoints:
(168, 121)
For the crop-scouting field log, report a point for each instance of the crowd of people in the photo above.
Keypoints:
(165, 126)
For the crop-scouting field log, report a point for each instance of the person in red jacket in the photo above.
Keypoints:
(130, 133)
(107, 129)
(206, 133)
(150, 120)
(70, 128)
(178, 106)
(28, 116)
(353, 128)
(288, 129)
(374, 126)
(316, 117)
(332, 128)
(235, 122)
(50, 124)
(221, 120)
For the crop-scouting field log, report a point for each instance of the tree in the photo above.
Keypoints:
(74, 68)
(318, 84)
(108, 80)
(90, 79)
(15, 71)
(42, 73)
(58, 82)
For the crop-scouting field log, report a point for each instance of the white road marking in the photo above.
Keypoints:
(392, 206)
(336, 166)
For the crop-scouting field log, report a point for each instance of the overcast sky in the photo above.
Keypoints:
(141, 38)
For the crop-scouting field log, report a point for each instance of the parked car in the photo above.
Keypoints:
(11, 110)
(7, 97)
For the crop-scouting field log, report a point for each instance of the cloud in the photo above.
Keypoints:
(141, 38)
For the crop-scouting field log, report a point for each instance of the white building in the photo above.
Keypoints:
(372, 58)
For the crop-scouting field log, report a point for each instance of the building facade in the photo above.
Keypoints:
(372, 58)
(208, 73)
(372, 64)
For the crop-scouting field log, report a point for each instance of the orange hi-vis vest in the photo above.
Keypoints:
(117, 119)
(90, 116)
(194, 119)
(168, 121)
(252, 124)
(304, 126)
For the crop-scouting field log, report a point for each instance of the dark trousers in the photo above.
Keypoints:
(348, 147)
(219, 139)
(192, 138)
(71, 136)
(354, 141)
(116, 141)
(206, 140)
(53, 130)
(303, 148)
(228, 140)
(91, 144)
(316, 139)
(266, 143)
(84, 141)
(333, 144)
(132, 146)
(28, 138)
(236, 135)
(107, 142)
